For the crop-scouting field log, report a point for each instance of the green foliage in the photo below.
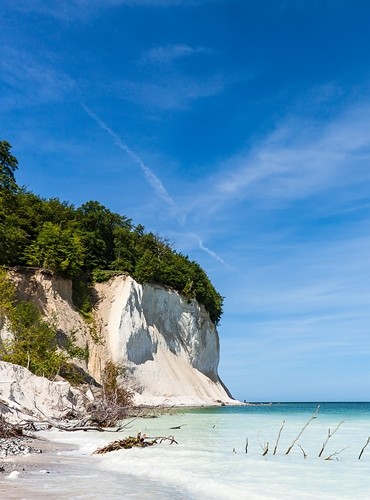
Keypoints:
(34, 341)
(116, 400)
(57, 249)
(34, 344)
(112, 390)
(103, 275)
(8, 165)
(75, 352)
(90, 241)
(82, 297)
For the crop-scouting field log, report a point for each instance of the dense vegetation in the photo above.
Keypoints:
(33, 342)
(90, 241)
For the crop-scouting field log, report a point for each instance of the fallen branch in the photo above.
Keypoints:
(304, 453)
(130, 442)
(363, 449)
(330, 434)
(336, 453)
(266, 450)
(302, 430)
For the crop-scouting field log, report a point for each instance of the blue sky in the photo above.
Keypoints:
(240, 130)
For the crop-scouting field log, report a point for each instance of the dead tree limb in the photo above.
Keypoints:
(330, 434)
(304, 453)
(363, 449)
(278, 438)
(131, 442)
(330, 457)
(302, 430)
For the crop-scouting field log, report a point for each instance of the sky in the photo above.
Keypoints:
(240, 131)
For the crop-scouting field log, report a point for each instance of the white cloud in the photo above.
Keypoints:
(299, 160)
(30, 81)
(169, 53)
(152, 179)
(69, 10)
(175, 92)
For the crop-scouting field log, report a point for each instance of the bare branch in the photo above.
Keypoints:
(330, 434)
(336, 453)
(303, 429)
(304, 453)
(363, 449)
(278, 438)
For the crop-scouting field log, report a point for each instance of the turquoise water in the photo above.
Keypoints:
(210, 459)
(343, 409)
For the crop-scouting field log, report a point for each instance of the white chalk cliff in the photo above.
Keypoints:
(23, 395)
(169, 345)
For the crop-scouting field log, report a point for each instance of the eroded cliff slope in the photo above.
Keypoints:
(169, 345)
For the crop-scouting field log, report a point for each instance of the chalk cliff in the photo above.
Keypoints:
(23, 395)
(169, 345)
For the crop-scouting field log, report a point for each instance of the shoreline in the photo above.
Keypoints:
(20, 470)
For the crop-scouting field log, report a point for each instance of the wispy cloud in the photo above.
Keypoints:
(175, 92)
(30, 81)
(153, 180)
(170, 53)
(70, 10)
(297, 161)
(150, 176)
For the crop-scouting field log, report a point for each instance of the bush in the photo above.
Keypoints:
(116, 399)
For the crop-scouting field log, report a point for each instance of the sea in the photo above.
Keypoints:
(232, 452)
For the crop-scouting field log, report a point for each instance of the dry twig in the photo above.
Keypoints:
(278, 438)
(330, 434)
(303, 429)
(363, 449)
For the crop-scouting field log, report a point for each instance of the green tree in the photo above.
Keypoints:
(60, 250)
(147, 268)
(34, 341)
(98, 224)
(8, 165)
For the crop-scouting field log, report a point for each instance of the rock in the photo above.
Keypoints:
(26, 394)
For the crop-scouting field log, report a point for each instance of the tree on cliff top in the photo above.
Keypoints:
(8, 165)
(90, 240)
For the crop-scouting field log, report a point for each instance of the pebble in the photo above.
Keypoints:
(13, 475)
(15, 446)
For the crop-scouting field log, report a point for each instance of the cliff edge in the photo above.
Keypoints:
(168, 344)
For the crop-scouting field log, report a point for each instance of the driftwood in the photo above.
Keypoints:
(330, 434)
(8, 430)
(140, 441)
(303, 429)
(330, 457)
(363, 449)
(266, 449)
(278, 438)
(304, 453)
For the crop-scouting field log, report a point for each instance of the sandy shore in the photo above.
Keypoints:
(17, 480)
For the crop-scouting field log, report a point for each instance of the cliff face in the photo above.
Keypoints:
(26, 395)
(169, 346)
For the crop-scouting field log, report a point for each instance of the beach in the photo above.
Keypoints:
(210, 460)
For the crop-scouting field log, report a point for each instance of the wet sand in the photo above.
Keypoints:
(22, 473)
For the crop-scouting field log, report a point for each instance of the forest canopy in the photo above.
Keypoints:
(90, 241)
